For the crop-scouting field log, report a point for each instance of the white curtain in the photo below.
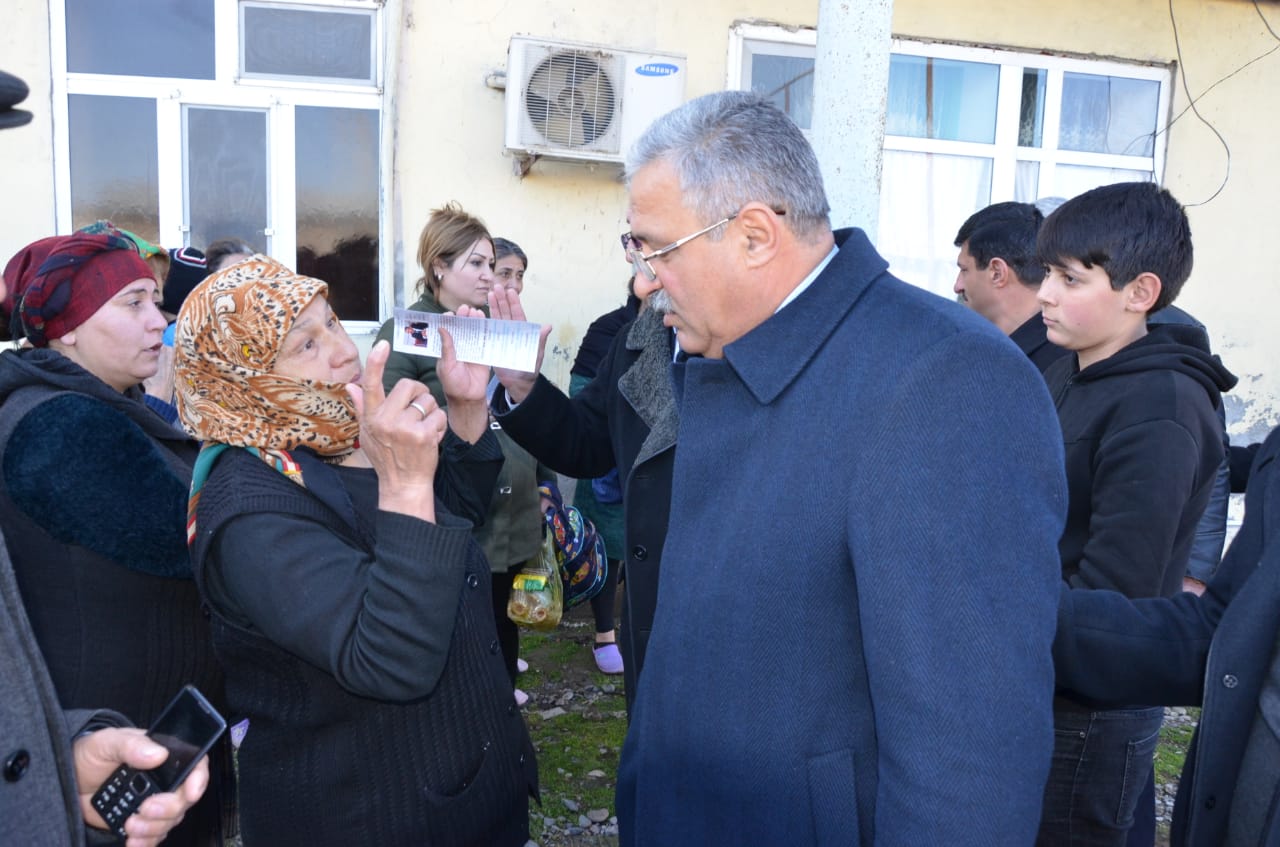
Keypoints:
(924, 198)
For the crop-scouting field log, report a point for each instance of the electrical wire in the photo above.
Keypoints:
(1265, 22)
(1199, 97)
(1168, 126)
(1186, 88)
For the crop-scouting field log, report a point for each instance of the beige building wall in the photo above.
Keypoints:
(449, 140)
(567, 217)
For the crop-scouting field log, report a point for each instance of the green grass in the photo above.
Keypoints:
(569, 748)
(1172, 751)
(1171, 754)
(587, 737)
(553, 654)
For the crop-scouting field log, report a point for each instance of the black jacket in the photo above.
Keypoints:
(599, 338)
(360, 644)
(1143, 446)
(93, 508)
(1033, 339)
(625, 418)
(1191, 650)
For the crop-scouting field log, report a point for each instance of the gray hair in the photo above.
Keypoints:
(731, 148)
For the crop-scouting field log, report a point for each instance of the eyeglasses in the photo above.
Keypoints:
(640, 262)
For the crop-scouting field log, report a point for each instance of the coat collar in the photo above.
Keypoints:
(772, 356)
(646, 385)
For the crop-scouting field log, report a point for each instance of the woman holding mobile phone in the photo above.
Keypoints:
(330, 528)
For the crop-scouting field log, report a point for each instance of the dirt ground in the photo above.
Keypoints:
(577, 718)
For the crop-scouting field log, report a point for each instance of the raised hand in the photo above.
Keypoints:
(461, 381)
(504, 304)
(400, 434)
(464, 385)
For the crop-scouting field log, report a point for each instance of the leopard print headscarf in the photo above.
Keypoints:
(229, 332)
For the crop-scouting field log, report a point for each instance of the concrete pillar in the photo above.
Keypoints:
(851, 84)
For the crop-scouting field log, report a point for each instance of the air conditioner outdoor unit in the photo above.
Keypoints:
(585, 102)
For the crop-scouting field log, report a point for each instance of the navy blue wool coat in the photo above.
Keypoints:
(859, 590)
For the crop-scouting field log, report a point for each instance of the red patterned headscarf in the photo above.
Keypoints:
(229, 333)
(58, 283)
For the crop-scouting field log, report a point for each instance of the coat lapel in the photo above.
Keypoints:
(803, 327)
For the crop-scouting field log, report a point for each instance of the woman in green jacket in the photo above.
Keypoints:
(456, 254)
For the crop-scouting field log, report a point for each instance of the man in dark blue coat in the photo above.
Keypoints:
(1189, 650)
(857, 602)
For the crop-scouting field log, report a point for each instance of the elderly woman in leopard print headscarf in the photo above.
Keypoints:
(329, 526)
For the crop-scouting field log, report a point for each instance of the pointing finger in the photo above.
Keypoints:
(371, 383)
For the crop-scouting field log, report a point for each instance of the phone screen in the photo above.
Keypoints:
(187, 729)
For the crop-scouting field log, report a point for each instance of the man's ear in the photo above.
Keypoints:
(1142, 292)
(763, 231)
(999, 270)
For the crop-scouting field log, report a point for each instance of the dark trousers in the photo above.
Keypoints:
(1143, 832)
(602, 603)
(1102, 761)
(508, 632)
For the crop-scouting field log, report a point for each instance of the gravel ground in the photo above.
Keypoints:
(1167, 791)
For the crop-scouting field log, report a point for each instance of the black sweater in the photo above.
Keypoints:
(361, 646)
(1143, 444)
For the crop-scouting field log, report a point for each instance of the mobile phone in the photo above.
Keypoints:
(187, 728)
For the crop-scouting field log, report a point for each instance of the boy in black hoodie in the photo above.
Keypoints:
(1142, 444)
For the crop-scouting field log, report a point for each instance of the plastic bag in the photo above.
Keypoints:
(537, 592)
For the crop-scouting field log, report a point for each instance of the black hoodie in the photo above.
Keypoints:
(1143, 443)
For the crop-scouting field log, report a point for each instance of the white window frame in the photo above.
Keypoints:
(310, 6)
(748, 38)
(228, 90)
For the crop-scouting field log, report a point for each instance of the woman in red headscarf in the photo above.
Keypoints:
(93, 487)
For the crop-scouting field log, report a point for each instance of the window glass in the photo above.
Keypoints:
(143, 38)
(113, 162)
(924, 199)
(942, 98)
(1070, 180)
(337, 185)
(226, 172)
(787, 82)
(1109, 114)
(330, 45)
(1031, 114)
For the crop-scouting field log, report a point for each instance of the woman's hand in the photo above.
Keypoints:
(462, 381)
(504, 304)
(464, 385)
(400, 434)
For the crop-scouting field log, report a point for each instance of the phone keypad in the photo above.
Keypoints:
(121, 795)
